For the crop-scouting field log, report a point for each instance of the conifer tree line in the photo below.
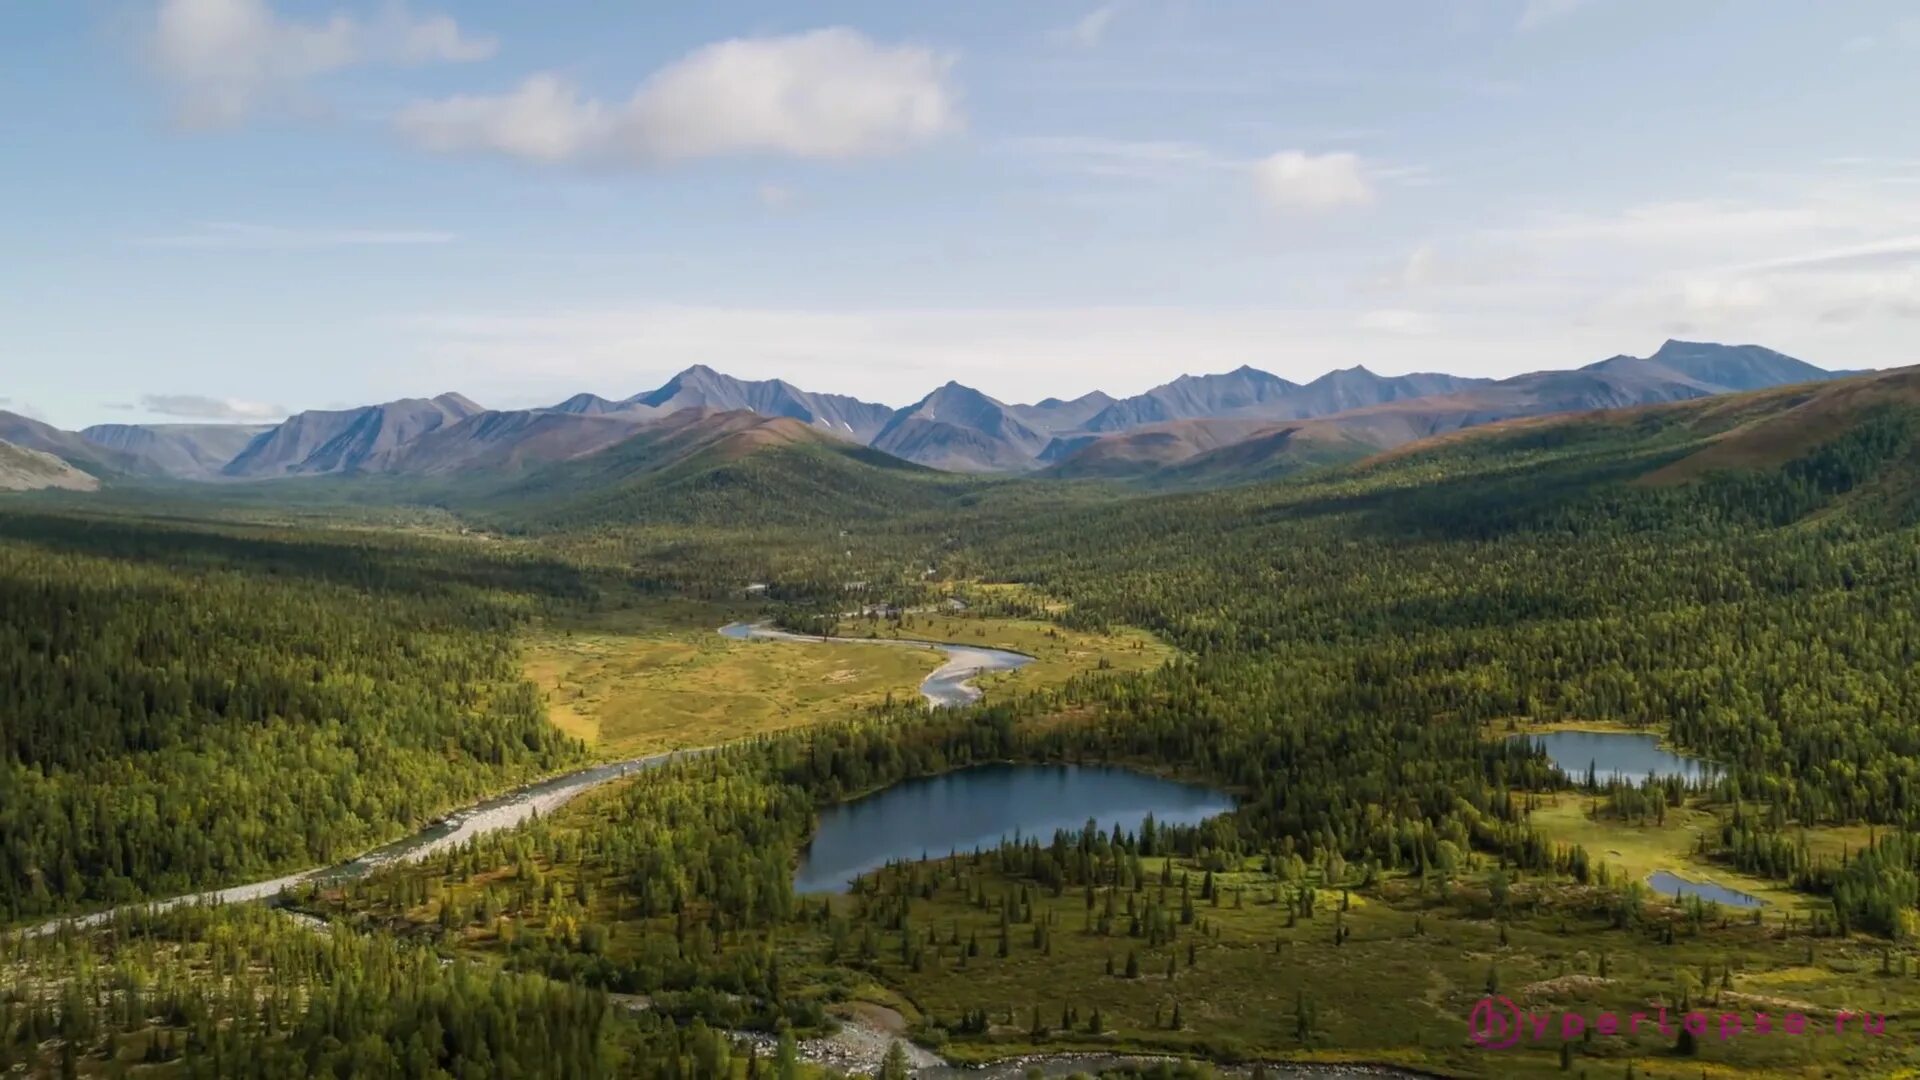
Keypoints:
(188, 704)
(186, 707)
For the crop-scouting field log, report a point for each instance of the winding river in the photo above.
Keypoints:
(859, 1045)
(950, 684)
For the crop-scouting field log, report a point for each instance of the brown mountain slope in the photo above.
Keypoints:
(1155, 446)
(68, 446)
(1756, 429)
(1771, 427)
(1275, 451)
(22, 469)
(1236, 450)
(717, 467)
(681, 437)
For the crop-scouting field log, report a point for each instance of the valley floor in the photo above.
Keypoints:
(1385, 972)
(659, 676)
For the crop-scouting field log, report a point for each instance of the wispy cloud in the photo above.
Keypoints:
(1294, 181)
(200, 407)
(228, 59)
(1758, 305)
(1830, 254)
(1878, 253)
(1535, 14)
(1135, 158)
(1903, 33)
(1299, 182)
(240, 236)
(1808, 221)
(1090, 29)
(776, 196)
(1467, 264)
(830, 93)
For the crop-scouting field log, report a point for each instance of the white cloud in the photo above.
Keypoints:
(1090, 29)
(198, 407)
(1296, 181)
(1292, 181)
(227, 59)
(829, 93)
(776, 196)
(432, 39)
(545, 120)
(238, 236)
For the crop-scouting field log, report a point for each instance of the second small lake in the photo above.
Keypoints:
(974, 808)
(1671, 884)
(1623, 755)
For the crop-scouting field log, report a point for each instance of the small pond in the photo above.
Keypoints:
(1670, 884)
(974, 808)
(1624, 755)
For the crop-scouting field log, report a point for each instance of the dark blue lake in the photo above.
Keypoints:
(1624, 755)
(975, 808)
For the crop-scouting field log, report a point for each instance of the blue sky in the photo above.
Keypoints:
(233, 208)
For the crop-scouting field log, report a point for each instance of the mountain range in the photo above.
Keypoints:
(1197, 430)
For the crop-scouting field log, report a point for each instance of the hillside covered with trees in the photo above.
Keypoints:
(192, 706)
(1739, 576)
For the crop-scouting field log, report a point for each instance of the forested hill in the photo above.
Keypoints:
(189, 706)
(192, 703)
(727, 468)
(1613, 567)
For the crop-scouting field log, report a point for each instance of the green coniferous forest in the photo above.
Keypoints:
(188, 707)
(203, 699)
